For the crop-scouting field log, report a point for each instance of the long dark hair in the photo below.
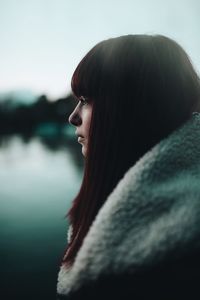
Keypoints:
(143, 87)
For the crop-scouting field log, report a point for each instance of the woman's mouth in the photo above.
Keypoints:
(80, 139)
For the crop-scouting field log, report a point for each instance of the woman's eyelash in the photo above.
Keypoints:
(82, 100)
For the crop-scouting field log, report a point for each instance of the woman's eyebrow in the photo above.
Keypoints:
(84, 98)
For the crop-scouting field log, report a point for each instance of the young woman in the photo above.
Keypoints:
(135, 223)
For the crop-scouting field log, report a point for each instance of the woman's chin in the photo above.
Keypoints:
(83, 151)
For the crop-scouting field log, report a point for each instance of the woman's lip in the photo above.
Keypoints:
(80, 139)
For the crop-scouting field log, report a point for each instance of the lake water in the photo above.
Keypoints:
(37, 185)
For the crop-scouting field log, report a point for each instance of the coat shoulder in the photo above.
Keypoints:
(177, 279)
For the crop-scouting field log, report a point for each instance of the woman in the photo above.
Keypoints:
(135, 223)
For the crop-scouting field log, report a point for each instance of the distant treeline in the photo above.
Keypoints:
(22, 118)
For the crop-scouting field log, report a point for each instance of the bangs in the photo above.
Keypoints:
(88, 74)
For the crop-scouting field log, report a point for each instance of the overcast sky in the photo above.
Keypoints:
(42, 41)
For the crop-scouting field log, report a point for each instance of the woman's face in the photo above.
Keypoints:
(81, 118)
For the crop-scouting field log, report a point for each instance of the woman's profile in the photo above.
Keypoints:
(135, 222)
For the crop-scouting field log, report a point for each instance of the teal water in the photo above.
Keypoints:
(37, 186)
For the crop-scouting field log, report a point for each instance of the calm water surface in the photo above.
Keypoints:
(36, 188)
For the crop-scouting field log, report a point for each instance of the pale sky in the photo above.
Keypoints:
(42, 41)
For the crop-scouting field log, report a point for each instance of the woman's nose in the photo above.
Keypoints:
(74, 118)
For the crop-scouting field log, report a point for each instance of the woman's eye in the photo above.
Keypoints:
(83, 100)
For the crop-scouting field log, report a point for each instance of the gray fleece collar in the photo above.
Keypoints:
(153, 211)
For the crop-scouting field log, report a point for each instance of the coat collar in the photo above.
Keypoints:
(153, 211)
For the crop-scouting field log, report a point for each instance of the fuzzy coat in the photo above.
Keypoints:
(145, 240)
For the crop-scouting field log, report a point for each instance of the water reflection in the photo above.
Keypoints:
(39, 177)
